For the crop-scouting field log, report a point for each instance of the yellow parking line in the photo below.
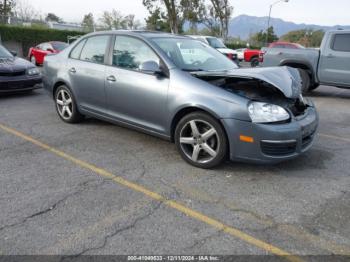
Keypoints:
(170, 203)
(336, 137)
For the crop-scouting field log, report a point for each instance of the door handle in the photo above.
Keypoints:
(330, 56)
(280, 53)
(111, 79)
(72, 70)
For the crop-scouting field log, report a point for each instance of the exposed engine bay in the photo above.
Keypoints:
(257, 90)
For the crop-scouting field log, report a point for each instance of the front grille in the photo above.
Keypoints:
(17, 73)
(278, 148)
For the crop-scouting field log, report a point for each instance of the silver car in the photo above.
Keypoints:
(184, 91)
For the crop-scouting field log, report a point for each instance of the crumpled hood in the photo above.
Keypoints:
(14, 65)
(285, 79)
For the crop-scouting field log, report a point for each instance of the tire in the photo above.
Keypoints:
(254, 62)
(306, 81)
(314, 86)
(66, 106)
(205, 147)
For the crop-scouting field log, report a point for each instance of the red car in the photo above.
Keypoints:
(36, 54)
(254, 57)
(285, 45)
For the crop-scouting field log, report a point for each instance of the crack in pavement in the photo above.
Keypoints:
(81, 188)
(175, 191)
(201, 242)
(116, 232)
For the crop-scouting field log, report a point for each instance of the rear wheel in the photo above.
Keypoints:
(305, 79)
(66, 106)
(200, 140)
(254, 62)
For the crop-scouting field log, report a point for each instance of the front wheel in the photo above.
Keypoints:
(254, 62)
(305, 79)
(66, 106)
(200, 140)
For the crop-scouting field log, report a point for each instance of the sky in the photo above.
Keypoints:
(321, 12)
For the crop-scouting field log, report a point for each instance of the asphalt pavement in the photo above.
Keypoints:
(97, 188)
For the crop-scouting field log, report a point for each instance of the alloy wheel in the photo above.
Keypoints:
(64, 104)
(199, 141)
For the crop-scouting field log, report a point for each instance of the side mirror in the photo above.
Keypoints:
(150, 67)
(14, 53)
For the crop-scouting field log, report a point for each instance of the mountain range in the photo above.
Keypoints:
(244, 25)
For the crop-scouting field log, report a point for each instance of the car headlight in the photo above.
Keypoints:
(267, 113)
(33, 71)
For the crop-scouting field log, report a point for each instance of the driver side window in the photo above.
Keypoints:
(130, 53)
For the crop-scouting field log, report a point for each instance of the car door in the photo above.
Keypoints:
(334, 65)
(133, 96)
(86, 71)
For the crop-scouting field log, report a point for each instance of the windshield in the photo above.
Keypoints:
(215, 43)
(4, 53)
(193, 55)
(59, 46)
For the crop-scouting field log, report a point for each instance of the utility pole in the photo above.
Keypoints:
(268, 21)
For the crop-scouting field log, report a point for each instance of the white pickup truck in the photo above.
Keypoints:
(330, 65)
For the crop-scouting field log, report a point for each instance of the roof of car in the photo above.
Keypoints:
(143, 33)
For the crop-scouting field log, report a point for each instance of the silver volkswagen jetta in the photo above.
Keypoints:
(182, 90)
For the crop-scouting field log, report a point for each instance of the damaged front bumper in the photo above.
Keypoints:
(271, 143)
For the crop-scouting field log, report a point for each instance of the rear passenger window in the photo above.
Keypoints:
(75, 54)
(341, 43)
(95, 49)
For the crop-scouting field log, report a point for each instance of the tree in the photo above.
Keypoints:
(6, 9)
(88, 23)
(157, 21)
(222, 11)
(113, 20)
(131, 22)
(194, 11)
(173, 10)
(25, 12)
(260, 37)
(306, 37)
(51, 17)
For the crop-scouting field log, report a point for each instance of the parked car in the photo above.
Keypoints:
(252, 56)
(280, 44)
(17, 74)
(218, 45)
(240, 54)
(36, 54)
(330, 65)
(211, 109)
